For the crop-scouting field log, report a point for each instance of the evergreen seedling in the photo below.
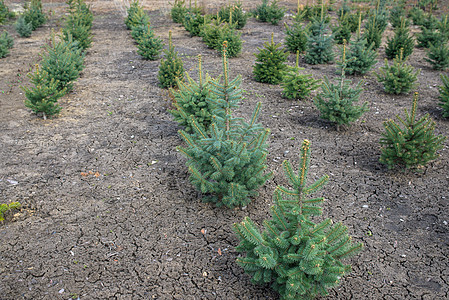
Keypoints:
(171, 68)
(23, 29)
(63, 63)
(296, 37)
(336, 101)
(34, 14)
(43, 97)
(270, 63)
(227, 163)
(361, 56)
(269, 13)
(444, 95)
(301, 258)
(149, 45)
(343, 31)
(136, 15)
(319, 43)
(193, 22)
(7, 207)
(412, 146)
(234, 14)
(191, 100)
(373, 34)
(397, 15)
(6, 43)
(399, 78)
(296, 85)
(429, 37)
(178, 11)
(4, 12)
(402, 41)
(438, 56)
(78, 25)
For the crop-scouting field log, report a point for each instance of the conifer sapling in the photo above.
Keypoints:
(319, 42)
(336, 101)
(296, 37)
(296, 85)
(412, 146)
(149, 45)
(438, 56)
(270, 63)
(402, 41)
(23, 29)
(301, 258)
(171, 68)
(444, 95)
(227, 163)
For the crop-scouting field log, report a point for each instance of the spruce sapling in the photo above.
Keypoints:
(343, 31)
(319, 43)
(270, 63)
(149, 46)
(296, 37)
(234, 14)
(412, 146)
(296, 85)
(438, 56)
(269, 13)
(361, 56)
(402, 41)
(227, 163)
(191, 100)
(399, 78)
(34, 14)
(171, 68)
(135, 15)
(6, 43)
(444, 95)
(336, 101)
(301, 258)
(178, 11)
(43, 97)
(23, 29)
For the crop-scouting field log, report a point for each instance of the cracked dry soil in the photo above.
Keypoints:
(137, 229)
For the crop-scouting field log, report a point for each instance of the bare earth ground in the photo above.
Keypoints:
(137, 229)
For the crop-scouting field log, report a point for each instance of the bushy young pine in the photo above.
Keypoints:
(296, 85)
(193, 22)
(438, 56)
(149, 46)
(43, 97)
(23, 29)
(397, 13)
(62, 62)
(171, 68)
(211, 33)
(34, 14)
(296, 37)
(191, 100)
(227, 163)
(269, 13)
(216, 32)
(4, 12)
(136, 16)
(6, 43)
(78, 25)
(444, 95)
(412, 146)
(399, 78)
(234, 14)
(301, 258)
(270, 63)
(178, 11)
(319, 44)
(417, 15)
(361, 57)
(401, 41)
(342, 32)
(336, 101)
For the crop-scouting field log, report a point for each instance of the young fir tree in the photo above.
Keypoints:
(444, 95)
(43, 97)
(62, 62)
(23, 29)
(296, 85)
(269, 13)
(438, 56)
(34, 14)
(270, 63)
(397, 13)
(227, 164)
(342, 32)
(399, 78)
(402, 41)
(6, 43)
(4, 12)
(234, 14)
(171, 68)
(78, 25)
(136, 15)
(178, 11)
(149, 46)
(361, 56)
(191, 101)
(319, 43)
(336, 101)
(412, 146)
(193, 22)
(296, 37)
(301, 258)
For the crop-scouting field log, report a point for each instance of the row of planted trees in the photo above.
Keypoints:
(62, 62)
(226, 159)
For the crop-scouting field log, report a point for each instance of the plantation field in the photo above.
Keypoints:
(108, 210)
